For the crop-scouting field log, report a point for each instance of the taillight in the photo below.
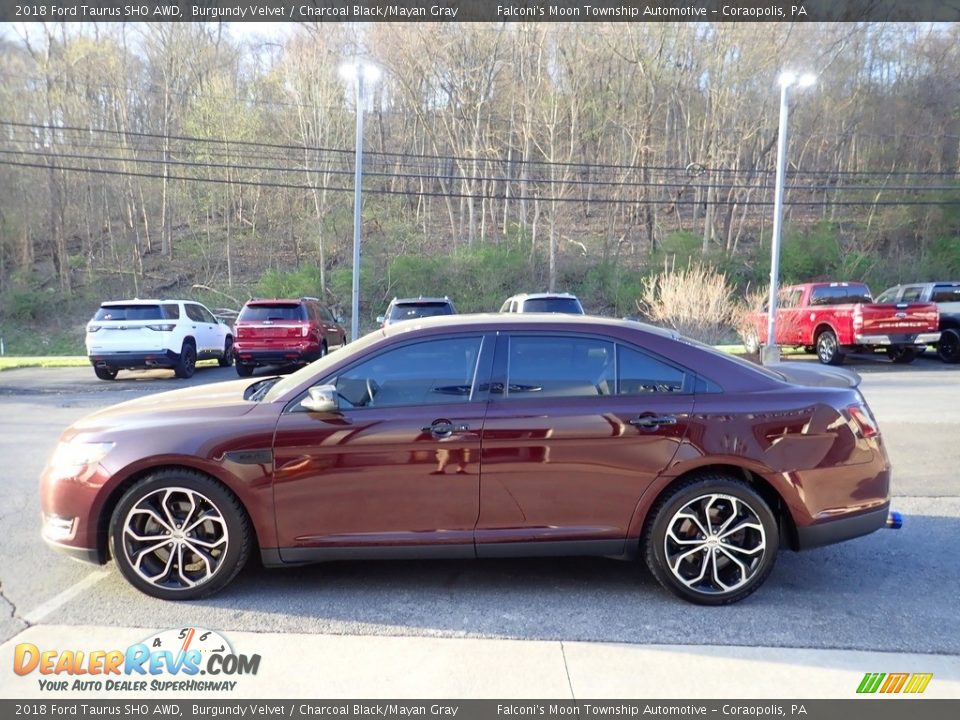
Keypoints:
(305, 331)
(860, 414)
(857, 317)
(162, 327)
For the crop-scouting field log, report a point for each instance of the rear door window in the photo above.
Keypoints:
(641, 374)
(559, 366)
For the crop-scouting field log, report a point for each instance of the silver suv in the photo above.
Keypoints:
(543, 303)
(131, 334)
(419, 307)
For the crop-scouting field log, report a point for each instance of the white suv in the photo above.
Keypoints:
(543, 303)
(128, 334)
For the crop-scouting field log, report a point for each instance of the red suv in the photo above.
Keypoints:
(284, 332)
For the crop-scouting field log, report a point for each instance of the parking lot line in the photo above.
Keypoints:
(59, 600)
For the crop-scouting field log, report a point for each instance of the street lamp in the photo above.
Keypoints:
(771, 351)
(358, 73)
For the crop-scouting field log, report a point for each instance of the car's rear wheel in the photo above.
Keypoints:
(244, 370)
(828, 349)
(948, 347)
(105, 373)
(179, 535)
(226, 360)
(901, 354)
(712, 540)
(187, 362)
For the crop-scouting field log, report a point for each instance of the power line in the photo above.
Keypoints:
(482, 195)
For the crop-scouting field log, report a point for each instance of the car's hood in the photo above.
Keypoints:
(816, 375)
(218, 400)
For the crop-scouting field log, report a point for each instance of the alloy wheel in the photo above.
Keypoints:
(715, 544)
(175, 538)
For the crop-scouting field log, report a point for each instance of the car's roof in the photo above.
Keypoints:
(520, 320)
(277, 301)
(538, 296)
(140, 301)
(412, 300)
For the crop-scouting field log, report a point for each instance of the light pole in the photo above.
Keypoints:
(771, 351)
(358, 73)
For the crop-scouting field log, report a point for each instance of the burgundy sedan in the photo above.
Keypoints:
(478, 436)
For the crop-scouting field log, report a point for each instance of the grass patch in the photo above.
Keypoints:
(11, 362)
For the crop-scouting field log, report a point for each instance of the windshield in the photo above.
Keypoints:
(276, 311)
(553, 305)
(420, 310)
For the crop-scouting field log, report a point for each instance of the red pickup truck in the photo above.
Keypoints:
(835, 318)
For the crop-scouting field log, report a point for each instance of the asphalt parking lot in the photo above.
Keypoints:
(891, 591)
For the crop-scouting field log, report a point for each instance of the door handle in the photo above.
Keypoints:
(652, 422)
(446, 428)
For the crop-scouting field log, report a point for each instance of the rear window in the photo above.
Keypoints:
(553, 305)
(840, 295)
(131, 312)
(279, 311)
(945, 293)
(420, 310)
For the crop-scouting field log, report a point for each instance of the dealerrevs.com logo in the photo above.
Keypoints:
(172, 660)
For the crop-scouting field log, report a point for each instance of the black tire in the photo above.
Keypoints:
(226, 360)
(105, 373)
(323, 350)
(901, 354)
(175, 487)
(721, 497)
(828, 349)
(187, 362)
(948, 348)
(244, 370)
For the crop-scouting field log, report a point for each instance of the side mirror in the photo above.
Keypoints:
(380, 319)
(321, 399)
(339, 319)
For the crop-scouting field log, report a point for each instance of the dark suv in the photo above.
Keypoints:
(284, 332)
(413, 308)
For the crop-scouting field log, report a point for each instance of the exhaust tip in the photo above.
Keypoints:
(894, 520)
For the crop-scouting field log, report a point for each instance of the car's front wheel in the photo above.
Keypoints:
(712, 540)
(179, 535)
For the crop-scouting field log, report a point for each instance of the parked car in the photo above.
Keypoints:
(479, 436)
(132, 334)
(542, 302)
(946, 296)
(285, 332)
(836, 318)
(416, 308)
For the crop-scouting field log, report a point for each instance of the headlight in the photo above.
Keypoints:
(70, 458)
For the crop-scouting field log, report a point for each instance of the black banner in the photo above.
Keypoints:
(876, 709)
(482, 10)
